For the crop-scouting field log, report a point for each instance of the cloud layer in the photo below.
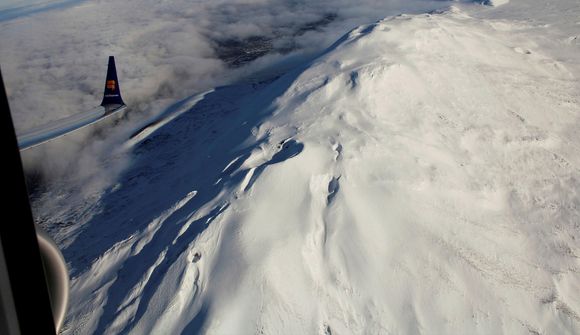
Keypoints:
(54, 62)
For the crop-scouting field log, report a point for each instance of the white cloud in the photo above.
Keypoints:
(54, 62)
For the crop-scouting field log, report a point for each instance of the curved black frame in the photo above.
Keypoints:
(24, 299)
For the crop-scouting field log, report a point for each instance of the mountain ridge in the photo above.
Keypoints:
(408, 180)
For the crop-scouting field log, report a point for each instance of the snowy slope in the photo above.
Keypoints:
(421, 176)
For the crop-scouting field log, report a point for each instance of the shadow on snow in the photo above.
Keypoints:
(189, 153)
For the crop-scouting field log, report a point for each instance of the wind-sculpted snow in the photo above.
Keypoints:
(420, 176)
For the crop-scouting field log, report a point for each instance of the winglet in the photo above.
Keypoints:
(112, 96)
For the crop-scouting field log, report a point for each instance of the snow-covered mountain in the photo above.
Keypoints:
(420, 176)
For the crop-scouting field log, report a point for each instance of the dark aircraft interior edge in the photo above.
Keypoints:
(34, 279)
(25, 305)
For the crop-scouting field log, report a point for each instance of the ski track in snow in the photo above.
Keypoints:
(421, 176)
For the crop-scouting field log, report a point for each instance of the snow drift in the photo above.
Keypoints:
(420, 176)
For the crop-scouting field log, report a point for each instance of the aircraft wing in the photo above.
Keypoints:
(58, 128)
(112, 103)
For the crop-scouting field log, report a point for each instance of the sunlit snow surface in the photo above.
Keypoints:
(421, 176)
